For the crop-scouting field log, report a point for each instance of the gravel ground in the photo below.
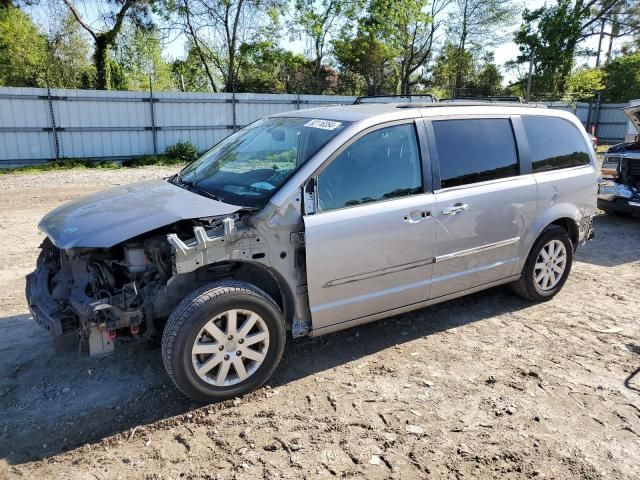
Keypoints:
(488, 386)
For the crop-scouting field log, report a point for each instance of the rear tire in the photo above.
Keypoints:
(544, 274)
(223, 340)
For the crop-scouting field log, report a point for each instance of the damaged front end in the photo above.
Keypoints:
(88, 297)
(105, 266)
(91, 295)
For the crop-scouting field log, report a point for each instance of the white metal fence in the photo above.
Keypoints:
(37, 124)
(611, 123)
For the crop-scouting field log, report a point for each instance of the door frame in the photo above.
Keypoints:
(309, 192)
(309, 188)
(520, 139)
(524, 170)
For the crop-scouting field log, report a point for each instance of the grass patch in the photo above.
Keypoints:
(153, 160)
(61, 165)
(176, 155)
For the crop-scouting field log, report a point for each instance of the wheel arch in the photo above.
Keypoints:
(564, 215)
(257, 274)
(570, 225)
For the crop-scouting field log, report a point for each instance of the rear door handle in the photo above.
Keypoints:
(457, 208)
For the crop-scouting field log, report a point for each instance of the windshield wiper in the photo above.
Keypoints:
(177, 180)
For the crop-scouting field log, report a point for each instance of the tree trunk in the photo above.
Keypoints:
(461, 47)
(101, 59)
(318, 62)
(231, 76)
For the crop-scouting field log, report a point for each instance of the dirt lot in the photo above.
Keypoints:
(489, 386)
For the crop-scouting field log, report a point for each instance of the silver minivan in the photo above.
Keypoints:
(314, 221)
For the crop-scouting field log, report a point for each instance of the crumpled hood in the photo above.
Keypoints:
(107, 218)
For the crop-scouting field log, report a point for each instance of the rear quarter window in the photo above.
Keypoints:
(554, 143)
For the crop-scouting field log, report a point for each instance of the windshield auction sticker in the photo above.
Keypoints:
(323, 124)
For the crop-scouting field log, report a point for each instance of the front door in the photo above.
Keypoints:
(484, 203)
(371, 242)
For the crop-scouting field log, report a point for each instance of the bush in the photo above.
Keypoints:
(182, 151)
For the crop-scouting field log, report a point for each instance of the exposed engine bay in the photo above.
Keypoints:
(95, 295)
(620, 188)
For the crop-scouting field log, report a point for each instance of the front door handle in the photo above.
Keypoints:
(416, 216)
(457, 208)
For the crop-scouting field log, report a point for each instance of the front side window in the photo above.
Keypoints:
(475, 150)
(554, 143)
(382, 165)
(250, 165)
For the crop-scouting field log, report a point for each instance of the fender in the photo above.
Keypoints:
(550, 215)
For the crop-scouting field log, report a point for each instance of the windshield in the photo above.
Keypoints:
(249, 166)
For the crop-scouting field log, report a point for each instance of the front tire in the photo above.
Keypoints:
(547, 267)
(223, 340)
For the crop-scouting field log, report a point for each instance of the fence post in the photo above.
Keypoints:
(233, 109)
(597, 115)
(154, 132)
(54, 130)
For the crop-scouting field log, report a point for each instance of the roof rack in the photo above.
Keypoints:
(468, 103)
(377, 98)
(490, 99)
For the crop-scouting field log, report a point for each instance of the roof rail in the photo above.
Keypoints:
(490, 99)
(362, 99)
(468, 103)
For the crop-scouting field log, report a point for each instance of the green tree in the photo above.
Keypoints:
(452, 67)
(552, 36)
(489, 80)
(105, 39)
(622, 78)
(370, 59)
(268, 68)
(480, 76)
(217, 29)
(23, 50)
(189, 73)
(476, 24)
(621, 21)
(139, 52)
(583, 83)
(69, 57)
(408, 30)
(319, 21)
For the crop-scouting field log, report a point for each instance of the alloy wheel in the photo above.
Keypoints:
(550, 265)
(230, 347)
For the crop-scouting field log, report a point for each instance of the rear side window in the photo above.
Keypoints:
(554, 143)
(471, 151)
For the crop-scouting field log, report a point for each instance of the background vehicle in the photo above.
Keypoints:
(619, 190)
(315, 221)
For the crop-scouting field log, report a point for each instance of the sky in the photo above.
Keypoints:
(174, 46)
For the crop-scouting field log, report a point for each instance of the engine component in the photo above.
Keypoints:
(135, 258)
